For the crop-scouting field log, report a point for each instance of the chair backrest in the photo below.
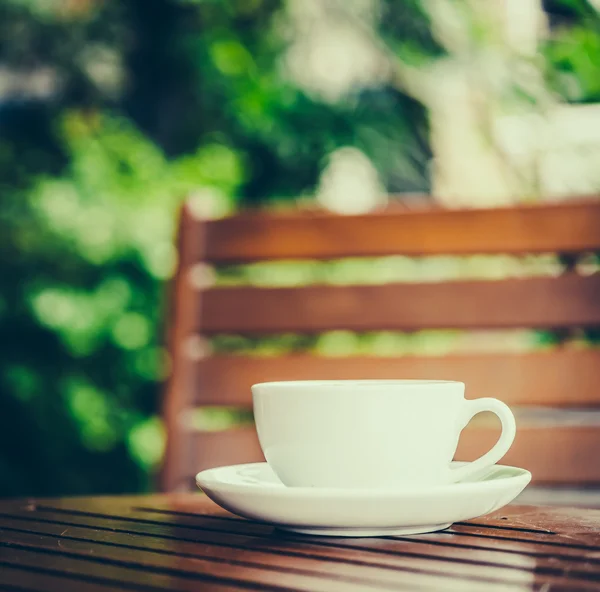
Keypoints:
(553, 391)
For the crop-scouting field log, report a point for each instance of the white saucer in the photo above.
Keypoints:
(253, 491)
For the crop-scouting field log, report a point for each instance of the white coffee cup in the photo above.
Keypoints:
(370, 433)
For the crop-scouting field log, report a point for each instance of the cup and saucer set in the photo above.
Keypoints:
(365, 458)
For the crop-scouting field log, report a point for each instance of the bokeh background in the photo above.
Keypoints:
(113, 112)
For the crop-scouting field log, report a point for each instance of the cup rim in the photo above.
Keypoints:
(358, 383)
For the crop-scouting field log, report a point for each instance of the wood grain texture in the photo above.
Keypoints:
(19, 580)
(179, 387)
(527, 529)
(193, 535)
(17, 553)
(524, 528)
(534, 303)
(559, 378)
(287, 560)
(227, 447)
(568, 227)
(151, 570)
(554, 455)
(186, 542)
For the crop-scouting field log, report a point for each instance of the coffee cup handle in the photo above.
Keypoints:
(490, 458)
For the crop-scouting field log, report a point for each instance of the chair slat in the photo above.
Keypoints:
(560, 378)
(554, 455)
(227, 447)
(535, 302)
(570, 227)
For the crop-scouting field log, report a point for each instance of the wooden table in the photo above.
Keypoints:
(185, 542)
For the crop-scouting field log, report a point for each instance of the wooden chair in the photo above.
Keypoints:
(554, 393)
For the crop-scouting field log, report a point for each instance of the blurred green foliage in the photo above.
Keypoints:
(112, 112)
(573, 51)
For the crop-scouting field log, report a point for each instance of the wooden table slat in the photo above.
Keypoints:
(412, 554)
(171, 570)
(353, 575)
(24, 580)
(156, 572)
(410, 557)
(187, 543)
(151, 523)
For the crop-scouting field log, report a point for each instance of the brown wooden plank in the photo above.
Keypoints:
(16, 579)
(266, 571)
(558, 378)
(188, 537)
(296, 557)
(505, 561)
(187, 516)
(535, 303)
(84, 569)
(581, 530)
(567, 227)
(389, 567)
(572, 528)
(554, 455)
(494, 547)
(576, 523)
(179, 388)
(158, 573)
(219, 449)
